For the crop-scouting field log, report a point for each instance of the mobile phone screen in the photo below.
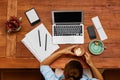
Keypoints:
(91, 32)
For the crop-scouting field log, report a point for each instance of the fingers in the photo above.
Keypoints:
(71, 53)
(87, 56)
(71, 47)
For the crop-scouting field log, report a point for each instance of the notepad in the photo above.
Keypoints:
(31, 41)
(99, 28)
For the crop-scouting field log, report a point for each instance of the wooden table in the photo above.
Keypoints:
(13, 54)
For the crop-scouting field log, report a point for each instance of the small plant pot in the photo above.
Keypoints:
(15, 30)
(13, 24)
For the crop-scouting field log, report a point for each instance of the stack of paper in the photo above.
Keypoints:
(39, 42)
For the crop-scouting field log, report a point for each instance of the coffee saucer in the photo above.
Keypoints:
(96, 47)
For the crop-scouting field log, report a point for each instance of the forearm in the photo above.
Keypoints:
(96, 72)
(51, 58)
(57, 54)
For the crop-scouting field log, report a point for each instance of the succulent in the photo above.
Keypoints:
(13, 24)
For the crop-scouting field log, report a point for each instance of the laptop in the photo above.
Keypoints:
(67, 27)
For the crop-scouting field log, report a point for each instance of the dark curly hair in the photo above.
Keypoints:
(73, 70)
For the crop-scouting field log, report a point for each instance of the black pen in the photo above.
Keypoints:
(39, 38)
(45, 42)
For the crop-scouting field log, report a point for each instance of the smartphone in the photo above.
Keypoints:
(91, 32)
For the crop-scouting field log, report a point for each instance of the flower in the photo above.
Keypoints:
(13, 24)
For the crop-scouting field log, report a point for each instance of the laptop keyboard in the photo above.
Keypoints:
(67, 30)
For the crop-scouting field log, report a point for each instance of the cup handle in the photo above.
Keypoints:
(105, 47)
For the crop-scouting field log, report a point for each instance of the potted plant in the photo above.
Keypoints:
(13, 24)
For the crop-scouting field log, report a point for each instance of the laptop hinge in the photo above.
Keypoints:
(68, 23)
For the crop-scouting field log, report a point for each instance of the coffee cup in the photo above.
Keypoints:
(96, 47)
(79, 51)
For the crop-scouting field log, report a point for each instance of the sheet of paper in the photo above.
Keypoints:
(33, 39)
(26, 42)
(99, 28)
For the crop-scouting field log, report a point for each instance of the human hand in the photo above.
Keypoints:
(68, 50)
(88, 59)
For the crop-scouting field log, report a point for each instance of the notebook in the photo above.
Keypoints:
(38, 44)
(67, 27)
(99, 27)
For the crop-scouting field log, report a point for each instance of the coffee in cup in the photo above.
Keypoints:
(79, 51)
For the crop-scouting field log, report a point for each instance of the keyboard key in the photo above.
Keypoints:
(67, 30)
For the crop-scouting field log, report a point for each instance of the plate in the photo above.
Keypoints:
(96, 47)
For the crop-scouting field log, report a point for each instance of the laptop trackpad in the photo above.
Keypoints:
(67, 40)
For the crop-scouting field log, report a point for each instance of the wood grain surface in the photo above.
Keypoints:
(13, 54)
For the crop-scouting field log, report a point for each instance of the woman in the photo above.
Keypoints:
(73, 70)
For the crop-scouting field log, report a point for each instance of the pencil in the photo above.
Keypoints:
(45, 42)
(39, 38)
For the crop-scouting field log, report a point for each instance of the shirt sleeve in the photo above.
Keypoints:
(48, 73)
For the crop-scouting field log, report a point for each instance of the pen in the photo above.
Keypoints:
(39, 38)
(45, 42)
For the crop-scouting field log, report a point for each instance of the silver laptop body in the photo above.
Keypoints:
(67, 27)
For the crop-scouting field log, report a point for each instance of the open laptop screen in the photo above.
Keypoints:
(68, 16)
